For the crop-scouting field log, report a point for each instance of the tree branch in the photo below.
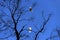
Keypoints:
(43, 25)
(22, 29)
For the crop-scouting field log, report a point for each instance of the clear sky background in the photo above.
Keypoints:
(48, 6)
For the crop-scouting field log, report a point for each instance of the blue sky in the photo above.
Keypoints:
(48, 6)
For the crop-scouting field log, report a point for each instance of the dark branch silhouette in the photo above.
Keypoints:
(43, 25)
(9, 21)
(16, 12)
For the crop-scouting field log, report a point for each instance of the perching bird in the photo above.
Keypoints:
(30, 29)
(30, 9)
(32, 6)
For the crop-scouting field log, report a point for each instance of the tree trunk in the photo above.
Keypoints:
(17, 35)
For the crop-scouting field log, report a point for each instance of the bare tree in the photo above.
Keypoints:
(42, 27)
(9, 21)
